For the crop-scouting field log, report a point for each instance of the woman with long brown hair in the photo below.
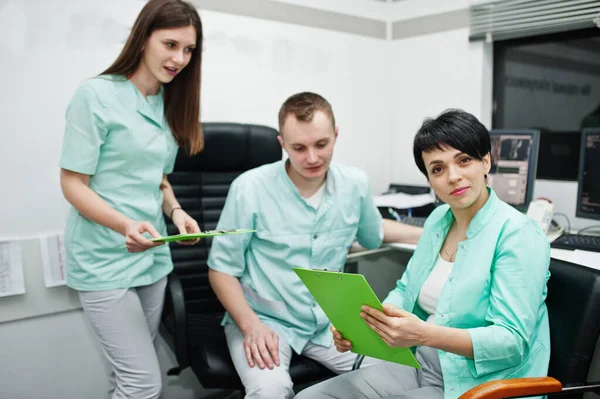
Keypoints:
(123, 130)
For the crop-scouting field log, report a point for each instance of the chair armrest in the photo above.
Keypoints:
(514, 388)
(175, 291)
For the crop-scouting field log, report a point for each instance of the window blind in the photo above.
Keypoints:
(511, 19)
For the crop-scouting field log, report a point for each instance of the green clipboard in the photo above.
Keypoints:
(341, 295)
(202, 234)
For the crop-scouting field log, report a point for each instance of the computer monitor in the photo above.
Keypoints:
(514, 165)
(558, 157)
(588, 193)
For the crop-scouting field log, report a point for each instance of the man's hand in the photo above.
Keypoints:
(262, 346)
(342, 345)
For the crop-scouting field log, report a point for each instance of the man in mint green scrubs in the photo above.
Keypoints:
(306, 212)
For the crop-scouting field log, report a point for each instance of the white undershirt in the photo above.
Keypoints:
(432, 287)
(316, 198)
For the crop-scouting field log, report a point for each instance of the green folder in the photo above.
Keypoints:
(202, 234)
(341, 295)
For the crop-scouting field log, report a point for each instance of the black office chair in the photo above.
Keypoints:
(574, 311)
(192, 312)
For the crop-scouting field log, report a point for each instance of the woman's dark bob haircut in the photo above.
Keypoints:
(452, 128)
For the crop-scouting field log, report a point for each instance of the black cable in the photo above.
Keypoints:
(358, 361)
(594, 226)
(567, 218)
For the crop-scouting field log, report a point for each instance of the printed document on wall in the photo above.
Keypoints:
(12, 281)
(52, 248)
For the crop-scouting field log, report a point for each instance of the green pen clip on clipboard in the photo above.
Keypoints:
(341, 295)
(202, 234)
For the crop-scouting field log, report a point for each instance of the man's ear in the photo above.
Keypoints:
(336, 131)
(280, 139)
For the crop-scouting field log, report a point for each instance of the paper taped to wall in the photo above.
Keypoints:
(52, 248)
(12, 280)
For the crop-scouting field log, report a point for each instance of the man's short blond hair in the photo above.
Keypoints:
(304, 106)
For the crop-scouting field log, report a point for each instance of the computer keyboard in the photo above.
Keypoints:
(413, 220)
(577, 241)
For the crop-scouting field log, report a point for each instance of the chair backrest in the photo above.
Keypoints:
(574, 311)
(201, 183)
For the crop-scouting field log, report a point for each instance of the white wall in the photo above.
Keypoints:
(43, 61)
(251, 66)
(431, 73)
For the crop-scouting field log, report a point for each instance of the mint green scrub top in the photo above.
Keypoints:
(291, 233)
(122, 140)
(496, 291)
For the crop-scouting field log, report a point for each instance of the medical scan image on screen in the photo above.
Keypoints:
(509, 169)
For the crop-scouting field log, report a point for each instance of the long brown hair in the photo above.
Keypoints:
(182, 95)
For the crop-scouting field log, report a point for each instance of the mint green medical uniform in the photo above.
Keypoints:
(496, 292)
(291, 233)
(122, 140)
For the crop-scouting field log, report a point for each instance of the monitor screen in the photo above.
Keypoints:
(588, 196)
(558, 158)
(514, 163)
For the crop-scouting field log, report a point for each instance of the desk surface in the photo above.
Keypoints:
(356, 251)
(585, 258)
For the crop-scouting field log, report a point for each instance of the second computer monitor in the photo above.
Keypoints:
(514, 164)
(588, 196)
